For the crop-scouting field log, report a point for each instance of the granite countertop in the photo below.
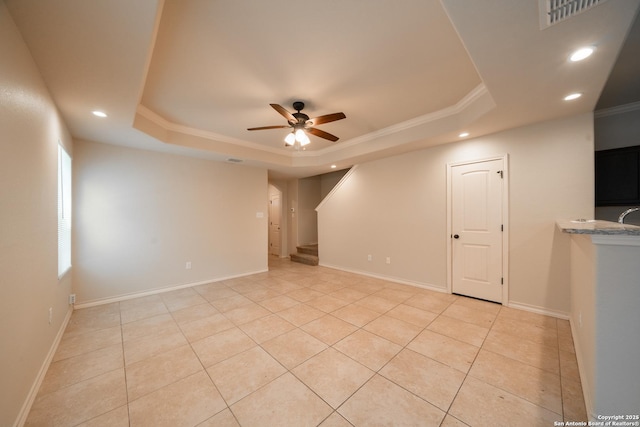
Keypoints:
(598, 227)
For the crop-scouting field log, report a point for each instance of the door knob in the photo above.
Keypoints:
(455, 236)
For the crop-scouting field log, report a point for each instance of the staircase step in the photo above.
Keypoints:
(304, 258)
(308, 249)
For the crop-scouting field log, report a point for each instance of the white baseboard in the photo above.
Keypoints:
(124, 297)
(539, 310)
(427, 286)
(586, 392)
(35, 387)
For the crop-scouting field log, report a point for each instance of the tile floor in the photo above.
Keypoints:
(309, 346)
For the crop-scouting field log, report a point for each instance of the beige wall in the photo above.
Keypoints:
(142, 215)
(396, 207)
(30, 128)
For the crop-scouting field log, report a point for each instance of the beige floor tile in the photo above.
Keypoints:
(457, 329)
(246, 313)
(261, 294)
(335, 420)
(398, 295)
(66, 372)
(573, 401)
(284, 402)
(119, 417)
(429, 302)
(356, 314)
(76, 345)
(279, 303)
(152, 344)
(266, 328)
(382, 403)
(333, 376)
(523, 350)
(222, 419)
(304, 294)
(477, 317)
(141, 308)
(215, 291)
(93, 319)
(326, 287)
(244, 373)
(227, 304)
(80, 402)
(377, 303)
(247, 286)
(294, 347)
(542, 335)
(539, 387)
(433, 381)
(195, 312)
(450, 421)
(395, 330)
(145, 327)
(283, 286)
(160, 370)
(569, 366)
(182, 298)
(329, 329)
(480, 404)
(476, 304)
(222, 346)
(412, 315)
(187, 402)
(565, 338)
(348, 295)
(369, 349)
(451, 352)
(528, 317)
(202, 328)
(326, 303)
(300, 314)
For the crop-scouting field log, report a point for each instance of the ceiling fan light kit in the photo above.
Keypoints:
(301, 124)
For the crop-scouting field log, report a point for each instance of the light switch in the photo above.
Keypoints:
(259, 214)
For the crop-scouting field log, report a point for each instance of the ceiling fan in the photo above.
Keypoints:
(300, 123)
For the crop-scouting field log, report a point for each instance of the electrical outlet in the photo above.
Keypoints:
(388, 260)
(369, 258)
(188, 265)
(72, 299)
(50, 315)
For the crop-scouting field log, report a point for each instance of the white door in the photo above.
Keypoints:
(476, 229)
(274, 224)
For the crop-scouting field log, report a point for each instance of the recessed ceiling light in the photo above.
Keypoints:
(333, 166)
(99, 113)
(572, 96)
(581, 54)
(463, 134)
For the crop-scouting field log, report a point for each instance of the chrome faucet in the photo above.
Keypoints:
(625, 213)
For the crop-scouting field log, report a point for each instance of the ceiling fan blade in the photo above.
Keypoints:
(322, 134)
(269, 127)
(287, 115)
(327, 118)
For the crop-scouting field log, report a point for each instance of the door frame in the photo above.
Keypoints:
(505, 221)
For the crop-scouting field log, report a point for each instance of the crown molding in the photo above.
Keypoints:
(618, 109)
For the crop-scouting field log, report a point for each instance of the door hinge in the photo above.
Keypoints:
(501, 227)
(501, 174)
(502, 280)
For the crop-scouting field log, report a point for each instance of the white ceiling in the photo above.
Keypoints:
(190, 76)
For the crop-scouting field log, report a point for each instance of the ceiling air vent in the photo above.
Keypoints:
(554, 11)
(233, 160)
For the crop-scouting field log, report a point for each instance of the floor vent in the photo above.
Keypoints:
(554, 11)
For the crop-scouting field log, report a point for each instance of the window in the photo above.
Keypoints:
(64, 212)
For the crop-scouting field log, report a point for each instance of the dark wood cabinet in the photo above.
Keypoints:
(618, 176)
